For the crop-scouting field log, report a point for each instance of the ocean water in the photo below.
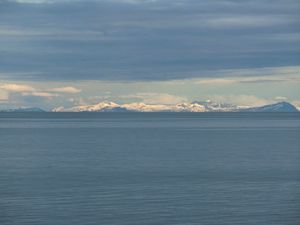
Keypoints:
(149, 169)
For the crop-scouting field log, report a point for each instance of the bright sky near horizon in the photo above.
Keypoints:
(72, 52)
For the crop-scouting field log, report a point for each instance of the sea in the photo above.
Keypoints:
(149, 168)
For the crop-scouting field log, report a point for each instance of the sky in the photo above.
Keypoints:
(75, 52)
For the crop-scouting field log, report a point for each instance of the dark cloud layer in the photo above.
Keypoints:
(144, 40)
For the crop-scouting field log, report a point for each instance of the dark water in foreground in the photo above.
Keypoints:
(160, 169)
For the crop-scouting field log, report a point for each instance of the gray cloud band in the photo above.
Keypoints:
(145, 40)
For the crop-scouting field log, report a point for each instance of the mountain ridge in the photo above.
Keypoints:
(276, 107)
(23, 109)
(196, 106)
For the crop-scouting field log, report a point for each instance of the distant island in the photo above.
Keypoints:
(197, 106)
(33, 109)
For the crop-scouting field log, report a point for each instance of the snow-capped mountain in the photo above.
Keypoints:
(217, 107)
(100, 107)
(134, 107)
(199, 106)
(277, 107)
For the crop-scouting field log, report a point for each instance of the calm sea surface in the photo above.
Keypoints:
(149, 169)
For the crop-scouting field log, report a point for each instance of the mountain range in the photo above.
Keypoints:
(197, 106)
(33, 109)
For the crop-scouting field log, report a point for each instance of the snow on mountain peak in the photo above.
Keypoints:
(205, 106)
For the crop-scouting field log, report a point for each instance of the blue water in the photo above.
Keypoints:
(149, 168)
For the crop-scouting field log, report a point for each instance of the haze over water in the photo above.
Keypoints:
(149, 168)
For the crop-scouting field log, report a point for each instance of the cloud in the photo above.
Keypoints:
(3, 96)
(33, 1)
(280, 98)
(216, 82)
(156, 98)
(90, 99)
(133, 40)
(241, 100)
(258, 75)
(67, 90)
(59, 1)
(18, 91)
(40, 94)
(23, 88)
(14, 32)
(17, 88)
(250, 21)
